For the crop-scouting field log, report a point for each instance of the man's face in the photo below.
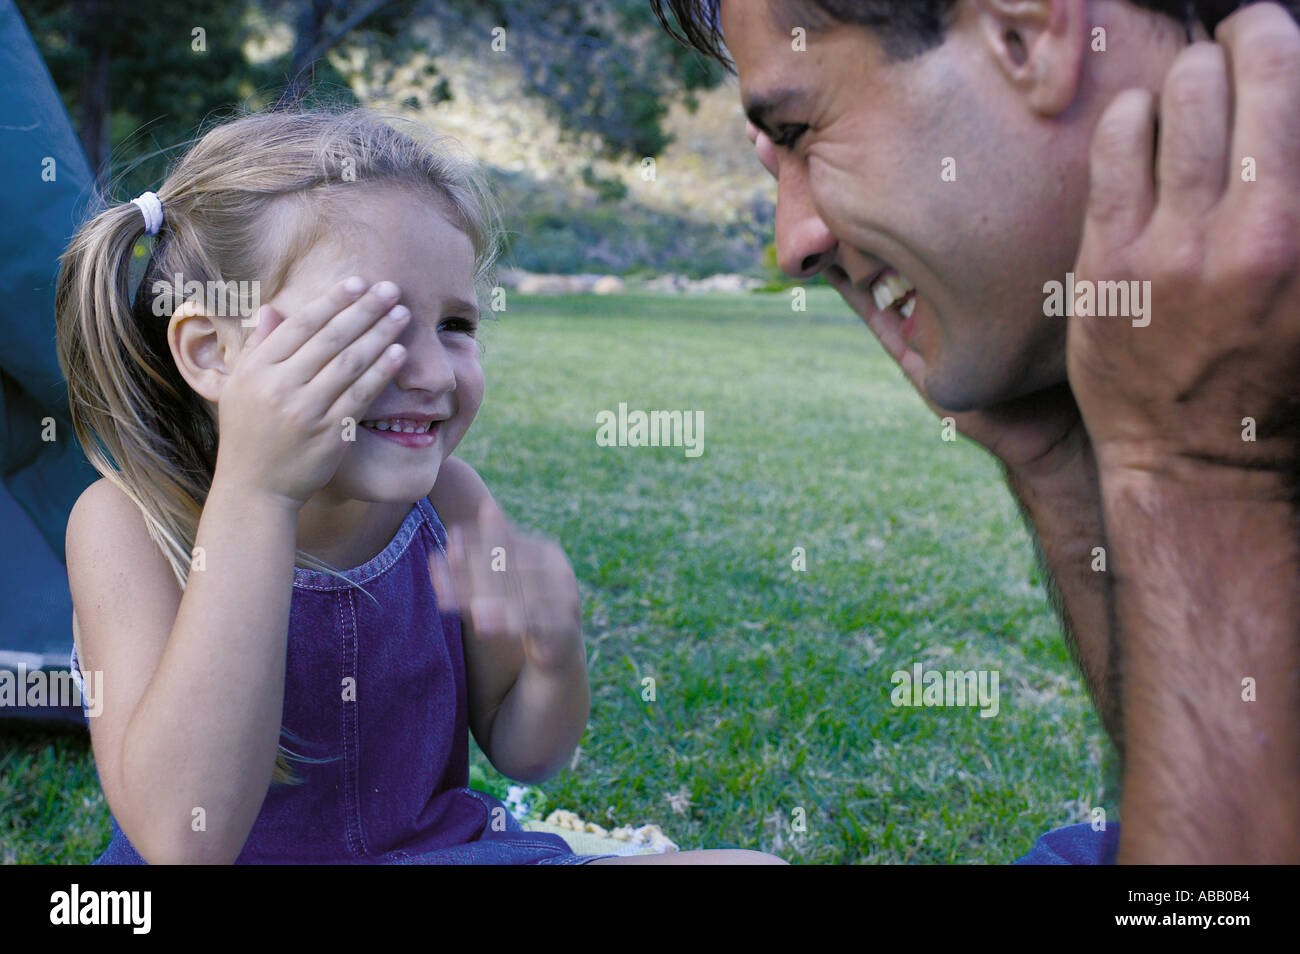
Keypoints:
(935, 167)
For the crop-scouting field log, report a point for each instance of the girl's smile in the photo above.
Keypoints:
(408, 429)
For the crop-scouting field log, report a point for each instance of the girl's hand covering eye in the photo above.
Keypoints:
(510, 587)
(285, 406)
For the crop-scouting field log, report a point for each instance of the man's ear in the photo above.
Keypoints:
(204, 349)
(1039, 47)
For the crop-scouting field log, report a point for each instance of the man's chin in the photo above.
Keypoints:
(984, 376)
(955, 392)
(978, 389)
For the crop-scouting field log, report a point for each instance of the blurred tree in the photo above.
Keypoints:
(156, 69)
(605, 70)
(147, 73)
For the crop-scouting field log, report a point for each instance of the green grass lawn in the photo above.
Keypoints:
(772, 685)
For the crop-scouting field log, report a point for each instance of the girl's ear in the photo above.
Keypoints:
(204, 349)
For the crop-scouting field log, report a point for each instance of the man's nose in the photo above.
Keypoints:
(804, 245)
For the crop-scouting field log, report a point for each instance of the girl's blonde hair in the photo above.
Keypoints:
(248, 199)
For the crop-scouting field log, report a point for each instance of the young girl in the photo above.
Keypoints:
(245, 456)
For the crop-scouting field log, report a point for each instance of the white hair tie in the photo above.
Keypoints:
(151, 206)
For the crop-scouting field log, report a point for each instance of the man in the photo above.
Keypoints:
(957, 168)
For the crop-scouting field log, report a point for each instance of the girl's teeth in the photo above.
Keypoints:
(403, 428)
(907, 307)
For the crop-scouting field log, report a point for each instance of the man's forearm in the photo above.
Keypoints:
(1208, 610)
(1064, 508)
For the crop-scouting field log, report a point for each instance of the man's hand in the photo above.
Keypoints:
(1217, 237)
(1201, 521)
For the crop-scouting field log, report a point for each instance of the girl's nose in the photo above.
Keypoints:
(428, 367)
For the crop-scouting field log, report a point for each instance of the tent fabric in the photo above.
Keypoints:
(47, 188)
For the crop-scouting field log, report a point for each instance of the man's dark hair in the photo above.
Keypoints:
(906, 28)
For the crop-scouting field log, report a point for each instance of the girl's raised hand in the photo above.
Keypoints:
(283, 411)
(511, 588)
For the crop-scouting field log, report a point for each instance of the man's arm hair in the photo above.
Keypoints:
(1085, 605)
(1209, 613)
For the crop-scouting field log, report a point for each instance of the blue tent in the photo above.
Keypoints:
(46, 186)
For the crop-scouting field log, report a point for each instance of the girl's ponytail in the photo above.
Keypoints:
(138, 421)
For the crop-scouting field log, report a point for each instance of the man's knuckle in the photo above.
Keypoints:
(1271, 59)
(1193, 167)
(1107, 205)
(1112, 136)
(1198, 74)
(1193, 93)
(1181, 261)
(1115, 134)
(1268, 250)
(1128, 108)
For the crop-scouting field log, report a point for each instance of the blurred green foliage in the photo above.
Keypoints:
(140, 78)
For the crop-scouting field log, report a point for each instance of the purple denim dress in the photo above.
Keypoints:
(375, 695)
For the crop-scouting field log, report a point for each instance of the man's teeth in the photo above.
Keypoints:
(405, 427)
(889, 289)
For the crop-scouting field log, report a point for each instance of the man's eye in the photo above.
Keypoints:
(464, 325)
(787, 136)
